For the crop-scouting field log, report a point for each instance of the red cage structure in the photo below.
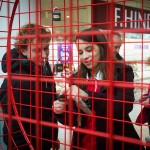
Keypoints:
(74, 74)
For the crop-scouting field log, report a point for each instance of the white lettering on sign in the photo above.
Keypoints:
(129, 18)
(141, 46)
(116, 15)
(133, 19)
(65, 52)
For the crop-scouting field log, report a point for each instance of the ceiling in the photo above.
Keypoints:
(76, 14)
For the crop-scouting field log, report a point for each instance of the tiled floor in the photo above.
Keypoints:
(141, 130)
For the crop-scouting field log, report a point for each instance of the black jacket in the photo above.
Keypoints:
(122, 102)
(33, 100)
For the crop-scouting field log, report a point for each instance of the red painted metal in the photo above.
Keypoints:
(68, 34)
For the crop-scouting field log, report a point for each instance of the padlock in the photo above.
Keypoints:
(56, 14)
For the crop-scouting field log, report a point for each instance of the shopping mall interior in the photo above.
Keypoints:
(66, 18)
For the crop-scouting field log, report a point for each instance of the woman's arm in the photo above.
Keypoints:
(66, 113)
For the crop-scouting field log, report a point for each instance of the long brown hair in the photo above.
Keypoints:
(94, 36)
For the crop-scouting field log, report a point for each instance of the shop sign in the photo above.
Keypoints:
(65, 53)
(124, 17)
(130, 17)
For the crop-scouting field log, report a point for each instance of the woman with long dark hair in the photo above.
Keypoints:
(100, 102)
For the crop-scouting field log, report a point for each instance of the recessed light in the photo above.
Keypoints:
(67, 16)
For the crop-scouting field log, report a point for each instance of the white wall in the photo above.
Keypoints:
(18, 21)
(135, 50)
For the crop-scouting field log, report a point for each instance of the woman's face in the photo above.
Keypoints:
(89, 54)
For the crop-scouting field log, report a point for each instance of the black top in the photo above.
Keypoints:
(122, 102)
(30, 94)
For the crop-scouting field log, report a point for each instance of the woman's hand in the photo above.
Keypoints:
(57, 145)
(59, 107)
(74, 92)
(146, 103)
